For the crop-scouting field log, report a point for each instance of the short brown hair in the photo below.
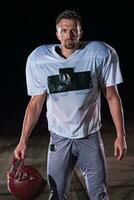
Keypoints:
(69, 14)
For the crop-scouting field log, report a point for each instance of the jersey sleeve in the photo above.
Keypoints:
(110, 72)
(36, 84)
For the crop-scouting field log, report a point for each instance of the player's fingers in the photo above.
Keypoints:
(23, 154)
(120, 156)
(17, 154)
(122, 153)
(119, 153)
(115, 151)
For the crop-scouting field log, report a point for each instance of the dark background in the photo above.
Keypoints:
(26, 25)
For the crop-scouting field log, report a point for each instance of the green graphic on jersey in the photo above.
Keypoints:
(68, 80)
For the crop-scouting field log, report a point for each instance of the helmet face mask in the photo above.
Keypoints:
(25, 182)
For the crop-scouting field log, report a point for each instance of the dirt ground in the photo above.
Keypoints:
(120, 174)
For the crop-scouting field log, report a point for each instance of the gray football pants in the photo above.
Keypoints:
(88, 152)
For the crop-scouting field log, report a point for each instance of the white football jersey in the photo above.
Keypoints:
(73, 85)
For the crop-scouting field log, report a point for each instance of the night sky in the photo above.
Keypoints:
(26, 25)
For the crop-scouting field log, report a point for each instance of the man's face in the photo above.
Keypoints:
(68, 32)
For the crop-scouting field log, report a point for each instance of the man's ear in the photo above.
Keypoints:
(81, 33)
(57, 35)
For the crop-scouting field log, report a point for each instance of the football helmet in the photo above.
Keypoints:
(25, 182)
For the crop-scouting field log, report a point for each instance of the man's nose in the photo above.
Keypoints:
(70, 35)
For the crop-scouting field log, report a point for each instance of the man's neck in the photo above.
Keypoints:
(67, 52)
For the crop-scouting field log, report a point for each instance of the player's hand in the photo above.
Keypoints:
(120, 147)
(20, 150)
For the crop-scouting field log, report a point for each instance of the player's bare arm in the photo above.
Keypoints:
(31, 117)
(116, 110)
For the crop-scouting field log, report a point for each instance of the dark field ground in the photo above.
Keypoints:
(121, 174)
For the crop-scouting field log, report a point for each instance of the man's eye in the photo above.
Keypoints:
(74, 31)
(64, 30)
